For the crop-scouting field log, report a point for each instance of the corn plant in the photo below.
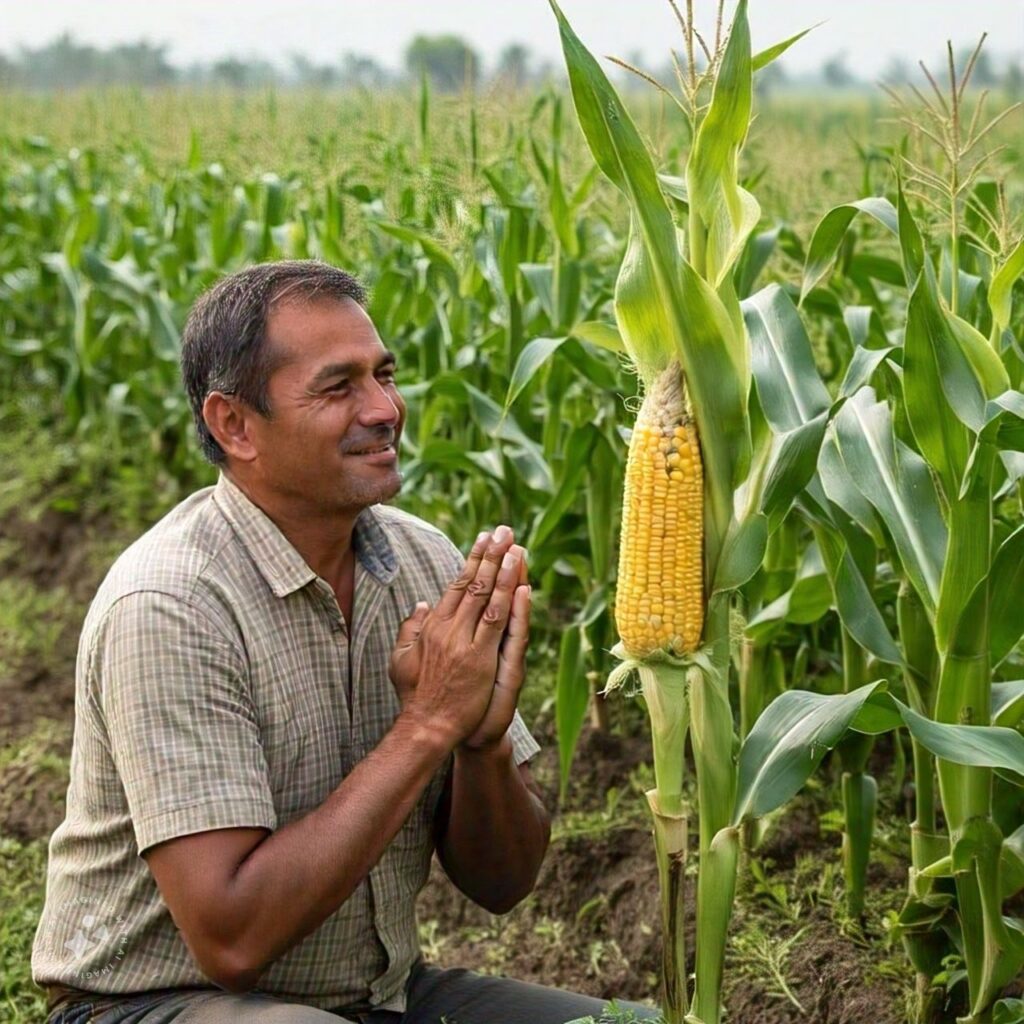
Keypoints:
(935, 458)
(703, 492)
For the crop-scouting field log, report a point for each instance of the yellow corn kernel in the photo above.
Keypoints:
(660, 599)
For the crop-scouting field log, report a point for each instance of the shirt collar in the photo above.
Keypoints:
(280, 564)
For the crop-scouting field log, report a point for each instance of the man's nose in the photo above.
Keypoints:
(378, 405)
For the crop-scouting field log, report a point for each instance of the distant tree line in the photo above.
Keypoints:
(447, 61)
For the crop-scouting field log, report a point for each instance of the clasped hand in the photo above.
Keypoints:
(459, 667)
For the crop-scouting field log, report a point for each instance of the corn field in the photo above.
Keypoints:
(784, 352)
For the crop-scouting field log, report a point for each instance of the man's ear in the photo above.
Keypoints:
(228, 419)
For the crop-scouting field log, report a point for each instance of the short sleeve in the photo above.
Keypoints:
(524, 746)
(184, 736)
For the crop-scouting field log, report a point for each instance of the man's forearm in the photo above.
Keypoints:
(299, 875)
(497, 830)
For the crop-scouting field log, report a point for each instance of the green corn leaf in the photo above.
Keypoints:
(911, 243)
(865, 327)
(790, 465)
(755, 258)
(766, 56)
(854, 599)
(831, 229)
(934, 368)
(572, 696)
(1006, 596)
(788, 742)
(1000, 291)
(782, 361)
(806, 601)
(743, 553)
(1008, 703)
(1012, 864)
(599, 333)
(862, 367)
(534, 355)
(540, 278)
(577, 454)
(995, 951)
(896, 481)
(840, 488)
(604, 484)
(977, 746)
(662, 306)
(726, 213)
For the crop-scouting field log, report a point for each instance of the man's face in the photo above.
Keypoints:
(332, 398)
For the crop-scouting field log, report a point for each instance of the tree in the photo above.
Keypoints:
(836, 74)
(514, 65)
(448, 60)
(317, 76)
(359, 71)
(897, 72)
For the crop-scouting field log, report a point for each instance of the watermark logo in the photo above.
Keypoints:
(99, 941)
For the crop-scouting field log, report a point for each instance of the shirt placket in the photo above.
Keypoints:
(368, 600)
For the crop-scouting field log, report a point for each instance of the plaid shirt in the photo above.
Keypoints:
(211, 692)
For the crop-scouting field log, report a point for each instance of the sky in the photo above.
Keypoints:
(869, 32)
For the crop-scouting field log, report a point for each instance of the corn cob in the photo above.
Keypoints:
(660, 599)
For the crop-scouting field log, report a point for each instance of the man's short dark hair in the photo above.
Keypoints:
(224, 345)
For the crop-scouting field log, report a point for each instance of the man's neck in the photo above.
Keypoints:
(324, 540)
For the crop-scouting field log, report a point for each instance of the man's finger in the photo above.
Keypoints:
(512, 657)
(494, 616)
(452, 597)
(512, 654)
(478, 593)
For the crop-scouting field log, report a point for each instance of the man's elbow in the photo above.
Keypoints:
(229, 969)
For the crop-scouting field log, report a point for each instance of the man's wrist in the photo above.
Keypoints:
(498, 750)
(428, 734)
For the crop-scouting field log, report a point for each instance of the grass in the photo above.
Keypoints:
(22, 869)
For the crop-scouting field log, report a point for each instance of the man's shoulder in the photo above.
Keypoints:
(172, 556)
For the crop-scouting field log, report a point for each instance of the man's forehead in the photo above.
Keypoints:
(313, 331)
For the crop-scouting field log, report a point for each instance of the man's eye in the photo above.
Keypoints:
(339, 386)
(389, 376)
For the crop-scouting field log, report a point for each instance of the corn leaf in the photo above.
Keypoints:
(1006, 596)
(727, 213)
(572, 696)
(1000, 291)
(896, 481)
(533, 356)
(831, 229)
(1008, 703)
(766, 56)
(854, 599)
(935, 369)
(782, 361)
(662, 306)
(788, 742)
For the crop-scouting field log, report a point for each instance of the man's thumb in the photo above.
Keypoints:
(413, 626)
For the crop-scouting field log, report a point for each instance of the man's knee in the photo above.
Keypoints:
(227, 1008)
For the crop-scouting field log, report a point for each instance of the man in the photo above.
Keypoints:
(288, 695)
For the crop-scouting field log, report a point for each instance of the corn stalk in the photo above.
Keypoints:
(680, 322)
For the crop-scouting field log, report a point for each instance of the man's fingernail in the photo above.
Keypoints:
(482, 536)
(502, 534)
(509, 560)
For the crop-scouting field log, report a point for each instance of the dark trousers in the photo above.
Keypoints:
(434, 996)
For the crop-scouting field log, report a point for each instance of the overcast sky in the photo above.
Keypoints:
(868, 31)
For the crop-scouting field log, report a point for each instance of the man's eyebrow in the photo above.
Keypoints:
(344, 369)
